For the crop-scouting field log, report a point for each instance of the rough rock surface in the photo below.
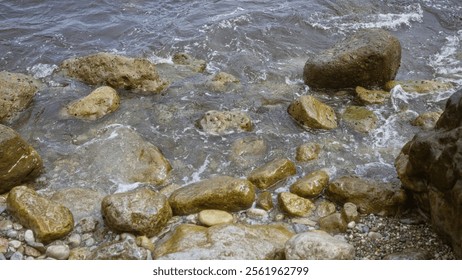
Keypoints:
(307, 152)
(430, 168)
(48, 220)
(274, 171)
(367, 97)
(333, 223)
(265, 200)
(242, 242)
(97, 104)
(141, 211)
(83, 203)
(19, 162)
(197, 65)
(369, 196)
(116, 71)
(311, 185)
(16, 93)
(224, 122)
(221, 193)
(124, 250)
(371, 57)
(427, 120)
(360, 118)
(419, 86)
(245, 151)
(222, 81)
(312, 113)
(318, 245)
(295, 205)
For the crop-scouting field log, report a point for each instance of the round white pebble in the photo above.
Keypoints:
(59, 252)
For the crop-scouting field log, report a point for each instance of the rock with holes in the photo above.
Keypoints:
(225, 122)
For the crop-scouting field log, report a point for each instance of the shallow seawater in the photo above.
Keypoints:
(263, 43)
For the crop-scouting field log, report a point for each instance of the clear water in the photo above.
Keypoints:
(263, 43)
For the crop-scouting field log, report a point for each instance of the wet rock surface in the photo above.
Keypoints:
(419, 86)
(310, 185)
(97, 104)
(360, 119)
(272, 172)
(223, 122)
(19, 163)
(368, 58)
(368, 97)
(312, 113)
(294, 205)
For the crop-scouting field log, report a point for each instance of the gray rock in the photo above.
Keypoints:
(15, 243)
(74, 240)
(2, 257)
(368, 58)
(409, 254)
(16, 256)
(58, 252)
(125, 250)
(318, 245)
(82, 202)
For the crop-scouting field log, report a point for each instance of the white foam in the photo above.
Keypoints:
(42, 70)
(195, 177)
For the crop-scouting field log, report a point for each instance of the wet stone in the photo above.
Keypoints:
(197, 65)
(311, 185)
(334, 223)
(307, 152)
(350, 212)
(222, 81)
(124, 250)
(360, 119)
(100, 102)
(312, 113)
(325, 208)
(32, 252)
(368, 97)
(265, 200)
(144, 242)
(245, 151)
(225, 122)
(295, 205)
(16, 256)
(427, 120)
(214, 217)
(3, 245)
(420, 86)
(272, 172)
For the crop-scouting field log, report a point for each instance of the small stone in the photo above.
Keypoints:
(90, 242)
(30, 251)
(311, 185)
(80, 253)
(420, 86)
(325, 208)
(97, 104)
(374, 235)
(272, 172)
(360, 119)
(39, 246)
(74, 240)
(11, 233)
(6, 225)
(265, 200)
(196, 65)
(427, 120)
(214, 217)
(58, 252)
(29, 236)
(303, 221)
(368, 97)
(17, 226)
(222, 81)
(255, 213)
(351, 225)
(295, 205)
(312, 113)
(307, 152)
(333, 223)
(15, 243)
(17, 256)
(144, 242)
(3, 245)
(88, 224)
(350, 212)
(225, 122)
(246, 151)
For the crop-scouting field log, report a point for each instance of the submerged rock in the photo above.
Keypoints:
(318, 245)
(221, 193)
(222, 81)
(19, 162)
(141, 211)
(100, 102)
(367, 97)
(116, 71)
(430, 168)
(369, 196)
(228, 241)
(265, 200)
(246, 151)
(274, 171)
(311, 185)
(48, 220)
(360, 119)
(16, 93)
(224, 122)
(307, 152)
(371, 57)
(196, 65)
(420, 86)
(295, 205)
(427, 120)
(312, 113)
(81, 202)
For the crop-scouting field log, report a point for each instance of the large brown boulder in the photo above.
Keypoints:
(16, 93)
(430, 168)
(19, 162)
(116, 71)
(369, 58)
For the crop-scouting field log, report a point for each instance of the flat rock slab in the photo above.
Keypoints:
(224, 242)
(48, 220)
(220, 193)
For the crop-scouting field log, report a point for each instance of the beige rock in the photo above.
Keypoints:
(3, 245)
(265, 200)
(246, 151)
(333, 223)
(19, 162)
(272, 172)
(367, 97)
(222, 81)
(145, 242)
(197, 65)
(420, 86)
(427, 120)
(225, 241)
(350, 212)
(325, 208)
(116, 71)
(307, 152)
(221, 193)
(48, 220)
(360, 119)
(82, 202)
(369, 196)
(295, 205)
(312, 113)
(80, 253)
(16, 93)
(311, 185)
(225, 122)
(212, 217)
(141, 211)
(100, 102)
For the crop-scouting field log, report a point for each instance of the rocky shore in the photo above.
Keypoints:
(233, 217)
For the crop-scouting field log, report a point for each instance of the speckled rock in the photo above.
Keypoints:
(333, 223)
(246, 151)
(196, 65)
(370, 57)
(368, 97)
(307, 152)
(19, 163)
(420, 86)
(100, 102)
(360, 118)
(141, 211)
(265, 200)
(295, 205)
(225, 122)
(116, 71)
(82, 202)
(16, 93)
(369, 196)
(212, 217)
(47, 219)
(124, 250)
(318, 245)
(272, 172)
(227, 241)
(312, 113)
(221, 193)
(427, 120)
(310, 185)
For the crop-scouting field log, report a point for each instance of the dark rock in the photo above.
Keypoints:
(368, 58)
